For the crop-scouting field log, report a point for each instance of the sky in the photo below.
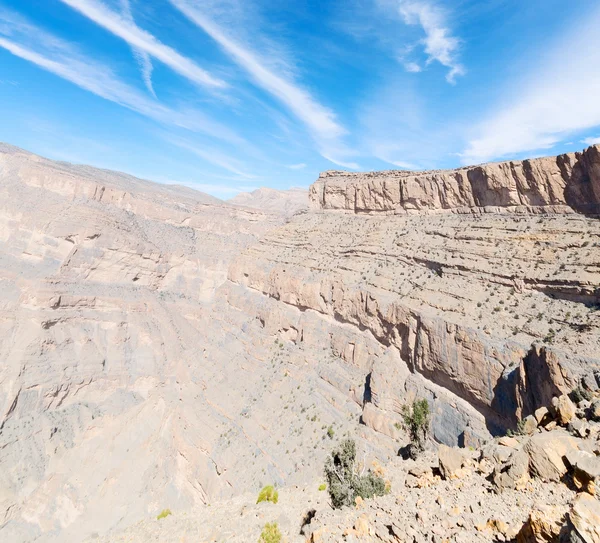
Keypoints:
(229, 95)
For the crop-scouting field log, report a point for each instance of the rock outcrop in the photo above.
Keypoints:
(549, 184)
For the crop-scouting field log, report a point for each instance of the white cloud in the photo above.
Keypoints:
(439, 43)
(320, 121)
(64, 60)
(557, 98)
(591, 141)
(342, 163)
(125, 28)
(412, 67)
(211, 155)
(141, 57)
(297, 166)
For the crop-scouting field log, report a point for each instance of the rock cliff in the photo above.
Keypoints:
(549, 183)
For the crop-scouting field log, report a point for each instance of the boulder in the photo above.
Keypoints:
(514, 474)
(565, 409)
(586, 470)
(507, 441)
(595, 410)
(542, 415)
(547, 453)
(585, 517)
(451, 461)
(543, 525)
(589, 382)
(529, 425)
(579, 427)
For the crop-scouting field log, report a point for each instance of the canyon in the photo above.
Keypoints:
(163, 348)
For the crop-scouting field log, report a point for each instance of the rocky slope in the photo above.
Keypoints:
(535, 487)
(287, 202)
(160, 349)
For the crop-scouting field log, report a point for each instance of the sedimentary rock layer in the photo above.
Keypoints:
(570, 180)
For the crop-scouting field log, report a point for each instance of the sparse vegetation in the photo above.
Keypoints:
(578, 394)
(268, 494)
(164, 514)
(346, 480)
(270, 533)
(322, 487)
(416, 423)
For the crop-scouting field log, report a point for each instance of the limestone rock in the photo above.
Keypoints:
(451, 460)
(514, 474)
(545, 182)
(585, 517)
(547, 452)
(529, 425)
(565, 409)
(595, 410)
(543, 526)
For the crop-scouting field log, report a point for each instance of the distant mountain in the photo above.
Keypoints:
(287, 202)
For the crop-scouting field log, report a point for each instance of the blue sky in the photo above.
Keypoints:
(230, 95)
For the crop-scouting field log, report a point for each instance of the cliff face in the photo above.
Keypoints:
(571, 180)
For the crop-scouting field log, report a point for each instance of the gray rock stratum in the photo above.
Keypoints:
(161, 348)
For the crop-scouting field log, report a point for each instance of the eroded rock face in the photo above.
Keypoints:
(570, 180)
(160, 349)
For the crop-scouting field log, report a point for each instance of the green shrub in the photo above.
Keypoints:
(268, 494)
(322, 487)
(163, 514)
(330, 432)
(343, 480)
(579, 394)
(416, 423)
(270, 533)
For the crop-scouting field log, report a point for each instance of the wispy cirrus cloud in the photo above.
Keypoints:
(554, 100)
(300, 166)
(35, 45)
(210, 154)
(320, 120)
(439, 43)
(124, 27)
(142, 57)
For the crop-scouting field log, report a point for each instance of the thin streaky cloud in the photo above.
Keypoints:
(320, 120)
(342, 163)
(63, 60)
(297, 166)
(127, 30)
(141, 57)
(210, 155)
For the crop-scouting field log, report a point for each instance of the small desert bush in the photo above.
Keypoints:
(268, 494)
(163, 514)
(270, 533)
(322, 487)
(416, 423)
(344, 481)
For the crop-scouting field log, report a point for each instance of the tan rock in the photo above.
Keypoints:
(565, 409)
(507, 441)
(585, 517)
(547, 452)
(451, 460)
(543, 525)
